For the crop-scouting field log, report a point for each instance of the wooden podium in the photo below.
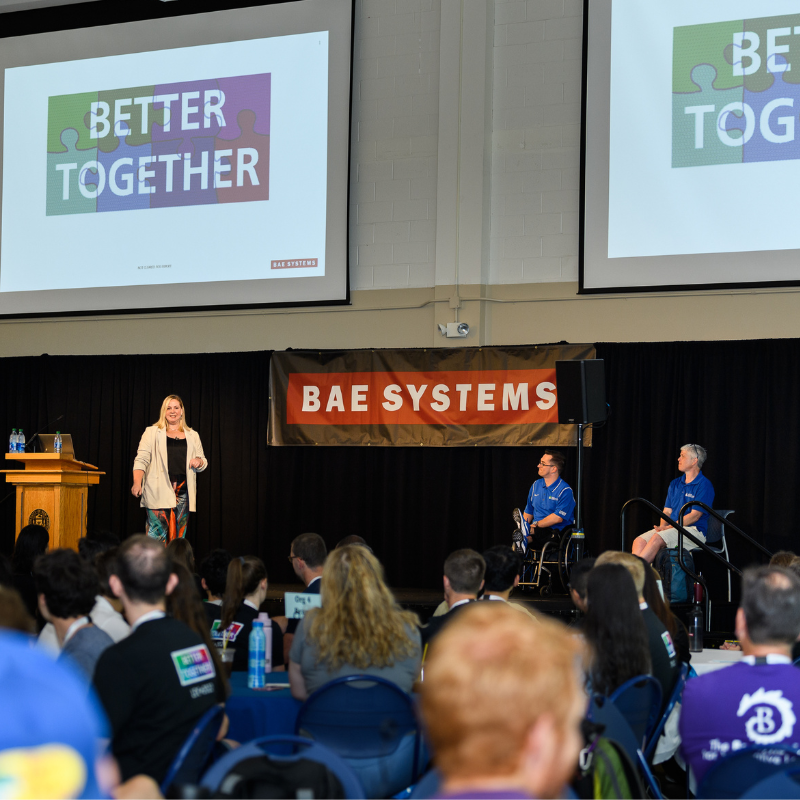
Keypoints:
(53, 491)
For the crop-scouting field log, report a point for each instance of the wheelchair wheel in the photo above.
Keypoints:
(566, 557)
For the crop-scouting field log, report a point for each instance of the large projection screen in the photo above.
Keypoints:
(189, 162)
(691, 168)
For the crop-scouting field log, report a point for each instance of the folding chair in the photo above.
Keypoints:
(639, 700)
(192, 758)
(674, 699)
(743, 769)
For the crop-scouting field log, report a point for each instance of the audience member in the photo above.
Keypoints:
(32, 541)
(353, 539)
(503, 567)
(307, 556)
(615, 629)
(14, 615)
(756, 701)
(652, 596)
(66, 587)
(90, 546)
(160, 680)
(463, 579)
(181, 551)
(783, 558)
(360, 628)
(213, 574)
(578, 577)
(245, 591)
(663, 654)
(502, 705)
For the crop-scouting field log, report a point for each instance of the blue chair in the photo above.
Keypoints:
(284, 749)
(192, 758)
(372, 724)
(674, 699)
(785, 784)
(427, 786)
(742, 770)
(604, 712)
(639, 700)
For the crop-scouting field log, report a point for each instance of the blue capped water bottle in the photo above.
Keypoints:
(20, 441)
(57, 444)
(256, 657)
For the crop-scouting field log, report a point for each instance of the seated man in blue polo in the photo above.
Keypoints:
(692, 485)
(551, 504)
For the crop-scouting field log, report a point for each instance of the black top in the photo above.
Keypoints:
(435, 624)
(663, 653)
(154, 686)
(240, 636)
(176, 459)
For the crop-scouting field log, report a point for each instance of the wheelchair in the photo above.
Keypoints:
(547, 560)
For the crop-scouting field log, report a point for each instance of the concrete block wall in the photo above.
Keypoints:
(536, 141)
(394, 141)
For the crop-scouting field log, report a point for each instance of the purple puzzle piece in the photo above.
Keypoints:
(246, 93)
(207, 121)
(172, 193)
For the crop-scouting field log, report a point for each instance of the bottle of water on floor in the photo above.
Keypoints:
(255, 661)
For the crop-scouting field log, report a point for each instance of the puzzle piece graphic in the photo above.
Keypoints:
(250, 139)
(246, 93)
(124, 176)
(695, 109)
(710, 44)
(762, 79)
(75, 203)
(69, 111)
(168, 126)
(136, 137)
(166, 197)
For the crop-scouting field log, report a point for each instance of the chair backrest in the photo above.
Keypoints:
(359, 716)
(639, 700)
(188, 765)
(285, 749)
(784, 784)
(427, 786)
(674, 699)
(738, 772)
(716, 529)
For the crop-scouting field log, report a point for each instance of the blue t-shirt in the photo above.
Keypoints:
(557, 498)
(681, 492)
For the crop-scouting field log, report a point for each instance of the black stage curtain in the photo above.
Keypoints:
(415, 505)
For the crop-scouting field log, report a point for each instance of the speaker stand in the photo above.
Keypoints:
(577, 535)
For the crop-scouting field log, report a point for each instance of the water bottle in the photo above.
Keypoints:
(20, 441)
(57, 442)
(255, 660)
(264, 619)
(696, 624)
(12, 441)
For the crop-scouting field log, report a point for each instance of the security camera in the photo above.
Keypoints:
(454, 330)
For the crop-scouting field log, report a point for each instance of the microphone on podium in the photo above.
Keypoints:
(34, 441)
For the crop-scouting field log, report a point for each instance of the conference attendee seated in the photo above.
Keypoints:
(353, 539)
(360, 628)
(245, 591)
(14, 615)
(756, 701)
(615, 629)
(181, 550)
(783, 558)
(462, 579)
(692, 485)
(307, 556)
(503, 566)
(157, 683)
(663, 653)
(213, 574)
(91, 545)
(33, 540)
(677, 630)
(66, 587)
(502, 704)
(578, 577)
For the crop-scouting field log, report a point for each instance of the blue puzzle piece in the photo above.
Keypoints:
(121, 192)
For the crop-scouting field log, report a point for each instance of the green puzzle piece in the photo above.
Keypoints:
(76, 203)
(705, 44)
(69, 111)
(110, 142)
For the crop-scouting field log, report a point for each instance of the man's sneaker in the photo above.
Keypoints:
(517, 518)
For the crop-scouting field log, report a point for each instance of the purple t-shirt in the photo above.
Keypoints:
(737, 707)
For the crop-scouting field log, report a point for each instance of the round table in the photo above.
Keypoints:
(254, 713)
(710, 660)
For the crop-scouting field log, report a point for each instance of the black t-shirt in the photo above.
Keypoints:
(176, 459)
(663, 653)
(154, 686)
(240, 637)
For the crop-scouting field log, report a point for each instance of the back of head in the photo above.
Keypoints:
(652, 596)
(632, 563)
(783, 558)
(490, 676)
(143, 568)
(465, 570)
(310, 547)
(68, 583)
(181, 551)
(90, 546)
(353, 539)
(105, 565)
(615, 628)
(771, 605)
(579, 575)
(502, 566)
(214, 570)
(244, 575)
(14, 615)
(31, 543)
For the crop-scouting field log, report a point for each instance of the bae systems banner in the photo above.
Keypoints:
(440, 397)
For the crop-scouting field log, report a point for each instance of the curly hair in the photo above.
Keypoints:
(360, 622)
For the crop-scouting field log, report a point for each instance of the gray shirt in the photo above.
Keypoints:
(85, 647)
(316, 673)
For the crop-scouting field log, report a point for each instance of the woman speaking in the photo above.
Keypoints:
(169, 455)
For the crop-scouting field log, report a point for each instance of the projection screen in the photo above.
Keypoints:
(195, 161)
(691, 144)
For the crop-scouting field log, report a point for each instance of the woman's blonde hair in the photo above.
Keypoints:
(360, 622)
(162, 417)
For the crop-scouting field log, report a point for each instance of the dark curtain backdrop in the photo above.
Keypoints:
(738, 399)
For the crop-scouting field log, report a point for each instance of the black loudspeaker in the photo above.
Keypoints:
(581, 387)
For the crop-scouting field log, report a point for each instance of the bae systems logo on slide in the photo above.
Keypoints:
(736, 91)
(179, 144)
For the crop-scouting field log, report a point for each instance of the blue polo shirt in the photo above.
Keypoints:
(681, 492)
(557, 498)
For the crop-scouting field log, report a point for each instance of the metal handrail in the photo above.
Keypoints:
(726, 522)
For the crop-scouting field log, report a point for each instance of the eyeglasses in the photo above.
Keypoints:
(292, 558)
(542, 464)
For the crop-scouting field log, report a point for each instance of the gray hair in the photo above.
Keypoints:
(771, 605)
(698, 452)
